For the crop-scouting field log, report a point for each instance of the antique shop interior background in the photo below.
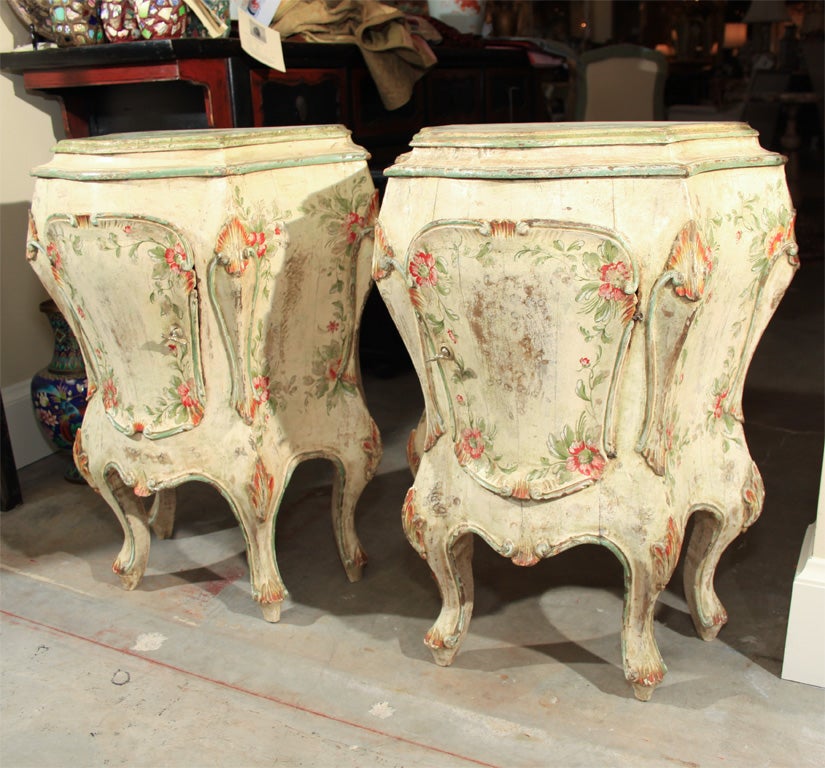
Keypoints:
(760, 62)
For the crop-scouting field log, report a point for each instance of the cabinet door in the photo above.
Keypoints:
(131, 285)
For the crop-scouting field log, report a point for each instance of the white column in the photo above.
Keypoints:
(805, 642)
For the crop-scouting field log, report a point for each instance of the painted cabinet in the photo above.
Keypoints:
(581, 303)
(215, 281)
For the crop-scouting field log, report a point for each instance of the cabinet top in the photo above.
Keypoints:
(582, 150)
(205, 153)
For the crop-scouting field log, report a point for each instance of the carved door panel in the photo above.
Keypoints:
(138, 320)
(525, 326)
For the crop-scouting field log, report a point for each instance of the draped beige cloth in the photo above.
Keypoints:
(395, 57)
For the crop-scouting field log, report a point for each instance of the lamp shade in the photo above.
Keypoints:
(736, 35)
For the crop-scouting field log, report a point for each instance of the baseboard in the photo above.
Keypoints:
(805, 642)
(27, 441)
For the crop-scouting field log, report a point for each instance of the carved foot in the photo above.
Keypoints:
(644, 668)
(443, 649)
(354, 566)
(709, 539)
(271, 611)
(643, 692)
(708, 627)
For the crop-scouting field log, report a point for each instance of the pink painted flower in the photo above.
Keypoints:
(109, 394)
(185, 393)
(472, 442)
(128, 229)
(584, 362)
(451, 335)
(459, 399)
(175, 258)
(586, 459)
(422, 268)
(614, 277)
(257, 240)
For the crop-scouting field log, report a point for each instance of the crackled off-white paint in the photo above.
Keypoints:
(581, 302)
(215, 281)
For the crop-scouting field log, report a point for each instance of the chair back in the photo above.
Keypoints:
(621, 82)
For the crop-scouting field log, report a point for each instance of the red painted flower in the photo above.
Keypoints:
(586, 459)
(185, 393)
(260, 389)
(584, 362)
(472, 442)
(175, 258)
(138, 426)
(614, 276)
(352, 224)
(257, 240)
(109, 394)
(189, 280)
(718, 403)
(56, 261)
(774, 241)
(451, 335)
(469, 5)
(333, 326)
(422, 268)
(333, 368)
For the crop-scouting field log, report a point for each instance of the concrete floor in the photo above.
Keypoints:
(185, 672)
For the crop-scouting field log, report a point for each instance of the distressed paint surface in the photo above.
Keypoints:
(217, 315)
(581, 304)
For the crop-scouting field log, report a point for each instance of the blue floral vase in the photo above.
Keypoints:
(59, 390)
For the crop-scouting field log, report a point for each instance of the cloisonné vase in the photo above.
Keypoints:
(59, 390)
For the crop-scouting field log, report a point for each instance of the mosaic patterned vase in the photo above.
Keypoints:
(75, 22)
(119, 21)
(59, 390)
(160, 19)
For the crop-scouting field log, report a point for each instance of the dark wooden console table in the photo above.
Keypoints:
(194, 83)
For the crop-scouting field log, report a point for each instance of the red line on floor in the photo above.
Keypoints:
(239, 689)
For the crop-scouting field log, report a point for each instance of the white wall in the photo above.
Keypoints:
(29, 125)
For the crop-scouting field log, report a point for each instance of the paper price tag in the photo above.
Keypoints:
(259, 41)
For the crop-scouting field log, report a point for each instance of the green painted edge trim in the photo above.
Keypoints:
(670, 170)
(197, 139)
(240, 169)
(588, 135)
